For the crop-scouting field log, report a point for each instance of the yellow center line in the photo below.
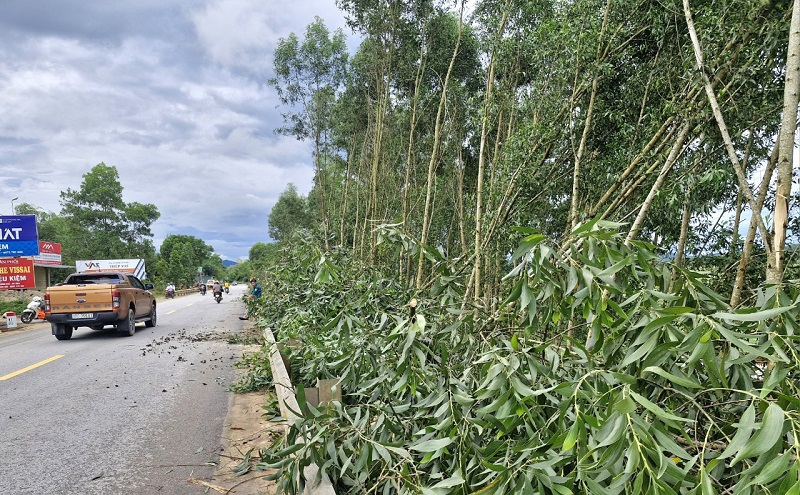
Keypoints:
(170, 312)
(189, 304)
(33, 366)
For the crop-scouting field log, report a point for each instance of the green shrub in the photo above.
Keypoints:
(16, 306)
(604, 370)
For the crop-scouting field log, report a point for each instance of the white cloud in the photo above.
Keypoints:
(171, 93)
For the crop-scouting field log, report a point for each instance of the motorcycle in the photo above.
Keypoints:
(169, 293)
(227, 290)
(202, 290)
(33, 311)
(218, 297)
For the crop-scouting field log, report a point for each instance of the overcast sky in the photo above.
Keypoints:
(172, 93)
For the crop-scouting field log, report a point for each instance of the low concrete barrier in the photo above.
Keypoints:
(288, 404)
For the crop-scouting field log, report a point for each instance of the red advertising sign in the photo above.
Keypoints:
(49, 253)
(16, 273)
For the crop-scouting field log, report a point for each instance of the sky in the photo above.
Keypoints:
(173, 93)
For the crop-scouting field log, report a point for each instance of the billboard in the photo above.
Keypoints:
(16, 273)
(136, 267)
(49, 254)
(18, 236)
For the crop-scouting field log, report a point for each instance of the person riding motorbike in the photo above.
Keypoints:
(217, 289)
(227, 287)
(169, 292)
(202, 289)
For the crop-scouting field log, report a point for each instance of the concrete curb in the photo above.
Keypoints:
(288, 403)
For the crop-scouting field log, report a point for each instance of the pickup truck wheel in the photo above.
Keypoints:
(128, 325)
(66, 334)
(151, 322)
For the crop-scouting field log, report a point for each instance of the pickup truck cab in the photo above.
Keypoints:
(98, 299)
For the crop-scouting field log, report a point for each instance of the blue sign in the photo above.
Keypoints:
(18, 236)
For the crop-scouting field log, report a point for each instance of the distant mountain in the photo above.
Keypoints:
(227, 263)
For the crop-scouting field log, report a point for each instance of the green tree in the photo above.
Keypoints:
(308, 76)
(100, 225)
(182, 255)
(289, 214)
(261, 252)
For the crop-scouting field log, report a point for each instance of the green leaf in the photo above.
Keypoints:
(450, 482)
(754, 316)
(706, 485)
(658, 411)
(625, 406)
(773, 470)
(520, 388)
(745, 428)
(641, 351)
(432, 445)
(766, 437)
(572, 435)
(527, 245)
(677, 380)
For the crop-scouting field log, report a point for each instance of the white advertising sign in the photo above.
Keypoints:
(134, 266)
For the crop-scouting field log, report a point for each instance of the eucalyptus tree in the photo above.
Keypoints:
(308, 77)
(791, 96)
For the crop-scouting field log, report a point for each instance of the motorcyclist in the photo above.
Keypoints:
(202, 288)
(227, 286)
(170, 290)
(217, 288)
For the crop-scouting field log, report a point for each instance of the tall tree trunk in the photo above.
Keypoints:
(345, 196)
(686, 216)
(786, 148)
(576, 173)
(747, 249)
(723, 129)
(412, 128)
(384, 81)
(462, 229)
(323, 214)
(437, 132)
(476, 278)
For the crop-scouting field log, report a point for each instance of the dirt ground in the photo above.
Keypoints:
(244, 429)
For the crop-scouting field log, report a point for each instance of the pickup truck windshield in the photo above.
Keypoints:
(92, 279)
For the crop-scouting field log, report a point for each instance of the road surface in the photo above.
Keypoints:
(104, 413)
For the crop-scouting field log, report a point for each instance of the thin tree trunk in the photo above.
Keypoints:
(476, 278)
(686, 217)
(323, 214)
(786, 147)
(747, 250)
(674, 153)
(345, 196)
(384, 84)
(576, 173)
(412, 128)
(656, 139)
(437, 131)
(712, 98)
(462, 229)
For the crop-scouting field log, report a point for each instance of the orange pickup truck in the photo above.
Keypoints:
(98, 299)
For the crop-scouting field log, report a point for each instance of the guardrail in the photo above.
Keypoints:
(288, 405)
(185, 292)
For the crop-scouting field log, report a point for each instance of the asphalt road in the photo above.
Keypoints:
(105, 414)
